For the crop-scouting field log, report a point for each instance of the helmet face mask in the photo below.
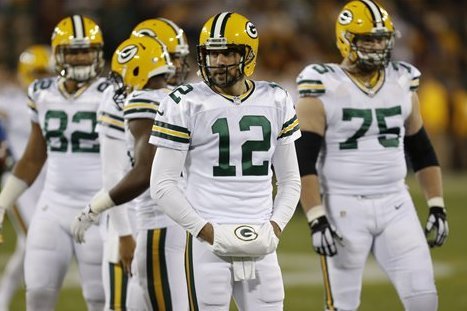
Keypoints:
(223, 75)
(79, 68)
(182, 68)
(373, 50)
(74, 37)
(365, 34)
(236, 38)
(120, 89)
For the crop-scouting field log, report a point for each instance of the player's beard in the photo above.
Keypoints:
(225, 76)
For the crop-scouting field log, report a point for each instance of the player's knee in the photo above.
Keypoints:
(421, 302)
(93, 292)
(41, 299)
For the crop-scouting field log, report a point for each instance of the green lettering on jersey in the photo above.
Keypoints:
(58, 142)
(221, 127)
(322, 68)
(367, 116)
(183, 90)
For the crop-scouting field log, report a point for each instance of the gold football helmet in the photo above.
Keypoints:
(73, 35)
(365, 21)
(35, 62)
(228, 31)
(174, 38)
(135, 61)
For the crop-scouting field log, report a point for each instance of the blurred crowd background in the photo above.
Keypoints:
(293, 33)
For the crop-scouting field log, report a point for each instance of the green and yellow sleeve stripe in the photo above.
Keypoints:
(289, 127)
(310, 88)
(32, 105)
(140, 105)
(415, 83)
(171, 132)
(112, 121)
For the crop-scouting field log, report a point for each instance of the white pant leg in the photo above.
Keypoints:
(158, 280)
(401, 249)
(343, 273)
(13, 274)
(49, 249)
(114, 279)
(212, 285)
(266, 291)
(89, 257)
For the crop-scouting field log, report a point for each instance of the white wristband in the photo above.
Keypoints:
(315, 212)
(101, 202)
(12, 190)
(436, 201)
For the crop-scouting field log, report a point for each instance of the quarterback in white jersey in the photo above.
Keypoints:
(63, 112)
(359, 119)
(34, 63)
(226, 134)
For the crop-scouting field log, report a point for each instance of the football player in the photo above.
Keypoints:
(35, 62)
(143, 65)
(63, 132)
(176, 41)
(119, 240)
(357, 117)
(226, 133)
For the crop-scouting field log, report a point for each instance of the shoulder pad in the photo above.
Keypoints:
(311, 81)
(39, 85)
(408, 71)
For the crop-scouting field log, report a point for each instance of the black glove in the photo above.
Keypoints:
(324, 235)
(436, 229)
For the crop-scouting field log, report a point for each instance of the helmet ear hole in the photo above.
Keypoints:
(136, 71)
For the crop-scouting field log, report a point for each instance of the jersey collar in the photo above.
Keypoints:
(368, 90)
(250, 85)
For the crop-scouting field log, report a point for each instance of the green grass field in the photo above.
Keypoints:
(302, 274)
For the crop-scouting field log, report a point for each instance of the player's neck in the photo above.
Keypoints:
(367, 78)
(72, 86)
(239, 88)
(155, 83)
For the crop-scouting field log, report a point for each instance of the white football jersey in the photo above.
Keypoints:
(68, 124)
(13, 102)
(230, 143)
(143, 104)
(363, 149)
(110, 120)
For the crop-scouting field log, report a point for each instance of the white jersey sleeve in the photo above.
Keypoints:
(171, 124)
(110, 117)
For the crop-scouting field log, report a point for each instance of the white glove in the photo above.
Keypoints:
(436, 229)
(82, 223)
(244, 240)
(324, 236)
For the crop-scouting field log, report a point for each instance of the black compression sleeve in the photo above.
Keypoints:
(308, 147)
(420, 151)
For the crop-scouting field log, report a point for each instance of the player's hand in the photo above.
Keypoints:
(207, 233)
(436, 229)
(82, 222)
(324, 236)
(127, 250)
